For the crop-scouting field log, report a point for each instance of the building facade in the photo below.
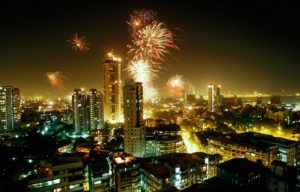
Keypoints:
(10, 108)
(126, 173)
(231, 148)
(248, 175)
(134, 130)
(164, 144)
(214, 97)
(87, 110)
(95, 109)
(100, 174)
(155, 177)
(281, 177)
(61, 174)
(287, 148)
(112, 88)
(80, 110)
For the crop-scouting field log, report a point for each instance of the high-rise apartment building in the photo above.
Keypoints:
(87, 110)
(95, 109)
(80, 110)
(112, 88)
(10, 108)
(214, 97)
(134, 130)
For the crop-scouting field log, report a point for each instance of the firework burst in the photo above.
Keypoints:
(176, 85)
(141, 71)
(151, 40)
(79, 43)
(152, 43)
(57, 80)
(140, 19)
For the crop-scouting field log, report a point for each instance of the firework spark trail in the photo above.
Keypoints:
(79, 43)
(176, 85)
(57, 80)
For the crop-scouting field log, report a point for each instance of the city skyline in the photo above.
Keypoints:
(149, 95)
(243, 46)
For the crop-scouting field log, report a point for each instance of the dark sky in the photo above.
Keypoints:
(244, 46)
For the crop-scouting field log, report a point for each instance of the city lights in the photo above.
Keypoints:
(137, 103)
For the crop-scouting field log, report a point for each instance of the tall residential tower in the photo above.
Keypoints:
(10, 108)
(87, 110)
(80, 110)
(95, 109)
(214, 97)
(112, 88)
(134, 130)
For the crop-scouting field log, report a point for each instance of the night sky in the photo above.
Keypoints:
(243, 46)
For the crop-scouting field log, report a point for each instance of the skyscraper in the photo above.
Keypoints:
(112, 88)
(214, 97)
(134, 130)
(95, 109)
(10, 108)
(80, 110)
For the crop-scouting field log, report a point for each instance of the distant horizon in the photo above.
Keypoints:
(243, 94)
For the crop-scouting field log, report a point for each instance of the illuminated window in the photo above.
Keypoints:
(97, 182)
(74, 186)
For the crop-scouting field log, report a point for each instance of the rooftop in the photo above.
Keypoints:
(267, 138)
(165, 127)
(241, 166)
(214, 184)
(241, 141)
(169, 138)
(183, 159)
(65, 158)
(159, 170)
(123, 159)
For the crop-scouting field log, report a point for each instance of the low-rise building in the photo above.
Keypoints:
(287, 148)
(185, 169)
(233, 147)
(166, 144)
(164, 139)
(126, 173)
(239, 146)
(155, 177)
(64, 173)
(100, 174)
(214, 184)
(101, 136)
(179, 170)
(281, 177)
(248, 175)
